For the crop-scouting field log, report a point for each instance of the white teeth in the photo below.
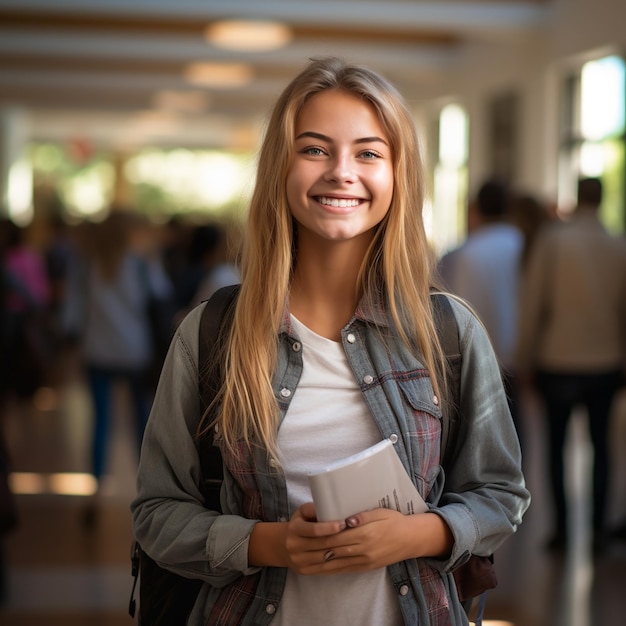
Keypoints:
(335, 202)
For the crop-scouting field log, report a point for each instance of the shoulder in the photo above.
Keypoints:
(187, 332)
(461, 309)
(466, 318)
(205, 320)
(191, 321)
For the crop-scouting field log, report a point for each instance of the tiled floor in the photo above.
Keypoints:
(63, 574)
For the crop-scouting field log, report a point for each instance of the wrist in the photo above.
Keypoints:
(266, 546)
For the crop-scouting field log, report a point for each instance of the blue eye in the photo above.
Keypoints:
(313, 151)
(370, 154)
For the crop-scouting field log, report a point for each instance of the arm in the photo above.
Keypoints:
(366, 541)
(484, 495)
(169, 518)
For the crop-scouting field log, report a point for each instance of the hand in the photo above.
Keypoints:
(372, 540)
(309, 543)
(367, 541)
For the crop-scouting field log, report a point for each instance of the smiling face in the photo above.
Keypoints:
(340, 183)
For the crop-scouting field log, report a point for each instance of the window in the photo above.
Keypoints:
(450, 178)
(593, 136)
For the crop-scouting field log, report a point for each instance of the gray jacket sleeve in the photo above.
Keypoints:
(484, 496)
(169, 518)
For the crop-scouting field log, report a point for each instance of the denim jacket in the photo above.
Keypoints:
(481, 495)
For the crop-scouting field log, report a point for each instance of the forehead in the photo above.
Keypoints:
(339, 110)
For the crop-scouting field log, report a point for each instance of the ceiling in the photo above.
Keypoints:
(113, 71)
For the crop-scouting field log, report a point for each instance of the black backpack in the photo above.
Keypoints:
(165, 598)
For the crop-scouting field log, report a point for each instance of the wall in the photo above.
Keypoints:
(532, 66)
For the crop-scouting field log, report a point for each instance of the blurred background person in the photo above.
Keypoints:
(26, 324)
(117, 341)
(209, 266)
(65, 267)
(485, 269)
(8, 506)
(530, 215)
(201, 240)
(572, 342)
(220, 270)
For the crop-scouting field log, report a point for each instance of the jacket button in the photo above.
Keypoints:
(270, 609)
(393, 438)
(435, 400)
(404, 590)
(285, 393)
(351, 338)
(296, 346)
(368, 379)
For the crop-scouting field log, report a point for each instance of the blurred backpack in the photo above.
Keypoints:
(166, 598)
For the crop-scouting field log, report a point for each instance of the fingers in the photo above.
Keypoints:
(305, 524)
(360, 543)
(309, 543)
(372, 539)
(307, 511)
(313, 551)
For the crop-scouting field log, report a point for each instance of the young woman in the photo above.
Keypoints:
(333, 348)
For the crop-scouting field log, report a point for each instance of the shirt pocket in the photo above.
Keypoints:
(423, 429)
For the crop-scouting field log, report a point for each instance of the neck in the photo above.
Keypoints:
(324, 292)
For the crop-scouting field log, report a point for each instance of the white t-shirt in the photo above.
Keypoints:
(327, 421)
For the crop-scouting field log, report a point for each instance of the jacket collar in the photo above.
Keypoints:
(374, 313)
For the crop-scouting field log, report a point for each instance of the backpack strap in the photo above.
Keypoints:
(448, 333)
(214, 322)
(209, 334)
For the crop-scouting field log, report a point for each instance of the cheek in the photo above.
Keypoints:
(384, 183)
(295, 185)
(290, 189)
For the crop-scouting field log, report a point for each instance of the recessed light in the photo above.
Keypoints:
(219, 75)
(182, 101)
(248, 36)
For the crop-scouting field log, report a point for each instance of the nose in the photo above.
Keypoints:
(341, 169)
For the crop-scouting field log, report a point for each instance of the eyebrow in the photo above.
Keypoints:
(322, 137)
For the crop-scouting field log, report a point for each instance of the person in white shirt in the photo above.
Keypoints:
(485, 271)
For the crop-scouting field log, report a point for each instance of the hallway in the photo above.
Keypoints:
(62, 573)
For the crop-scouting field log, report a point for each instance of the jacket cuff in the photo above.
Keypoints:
(465, 533)
(227, 544)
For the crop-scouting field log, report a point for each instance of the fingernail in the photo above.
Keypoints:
(351, 522)
(329, 555)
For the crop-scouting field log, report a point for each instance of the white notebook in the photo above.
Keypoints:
(371, 479)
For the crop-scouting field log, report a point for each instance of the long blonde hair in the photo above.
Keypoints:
(398, 264)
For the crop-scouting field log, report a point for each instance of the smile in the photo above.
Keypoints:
(339, 203)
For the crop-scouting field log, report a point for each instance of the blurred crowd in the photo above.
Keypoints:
(551, 291)
(109, 295)
(550, 288)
